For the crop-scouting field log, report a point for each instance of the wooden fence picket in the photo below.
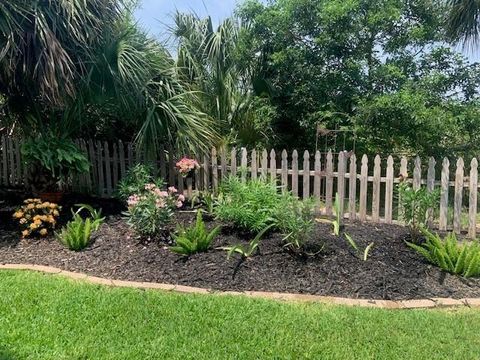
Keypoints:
(430, 186)
(317, 182)
(363, 188)
(472, 201)
(214, 171)
(4, 162)
(223, 163)
(306, 174)
(244, 165)
(352, 188)
(273, 166)
(417, 173)
(284, 170)
(341, 182)
(376, 189)
(115, 165)
(254, 165)
(444, 195)
(264, 162)
(295, 173)
(404, 175)
(18, 163)
(329, 184)
(389, 191)
(233, 162)
(457, 204)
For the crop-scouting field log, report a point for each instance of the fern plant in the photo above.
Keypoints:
(194, 239)
(246, 251)
(95, 215)
(77, 233)
(450, 255)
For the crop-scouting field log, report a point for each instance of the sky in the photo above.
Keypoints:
(153, 14)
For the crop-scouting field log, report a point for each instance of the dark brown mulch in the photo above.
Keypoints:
(392, 271)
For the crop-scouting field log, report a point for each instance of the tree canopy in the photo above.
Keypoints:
(273, 75)
(381, 68)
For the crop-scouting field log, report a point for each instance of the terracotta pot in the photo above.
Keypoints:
(54, 197)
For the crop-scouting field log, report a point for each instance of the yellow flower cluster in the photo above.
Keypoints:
(37, 217)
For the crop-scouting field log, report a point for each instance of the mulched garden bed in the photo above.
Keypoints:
(392, 271)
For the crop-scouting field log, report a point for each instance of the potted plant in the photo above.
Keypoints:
(51, 162)
(186, 167)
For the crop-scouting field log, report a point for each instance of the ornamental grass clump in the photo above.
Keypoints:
(36, 217)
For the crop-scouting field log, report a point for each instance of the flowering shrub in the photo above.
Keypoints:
(152, 209)
(36, 217)
(185, 166)
(134, 182)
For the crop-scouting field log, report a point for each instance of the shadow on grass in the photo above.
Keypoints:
(5, 354)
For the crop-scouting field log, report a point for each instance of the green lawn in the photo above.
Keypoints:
(48, 317)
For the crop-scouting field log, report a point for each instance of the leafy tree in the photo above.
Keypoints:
(381, 68)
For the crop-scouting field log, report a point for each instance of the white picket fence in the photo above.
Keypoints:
(367, 190)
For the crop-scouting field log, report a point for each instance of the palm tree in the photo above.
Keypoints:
(463, 20)
(64, 62)
(135, 77)
(45, 45)
(207, 59)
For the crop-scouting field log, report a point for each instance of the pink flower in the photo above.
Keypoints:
(163, 194)
(181, 198)
(160, 203)
(172, 189)
(179, 204)
(186, 165)
(133, 200)
(150, 187)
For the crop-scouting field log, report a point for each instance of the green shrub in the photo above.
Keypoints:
(249, 205)
(52, 161)
(194, 239)
(449, 254)
(415, 204)
(77, 233)
(294, 219)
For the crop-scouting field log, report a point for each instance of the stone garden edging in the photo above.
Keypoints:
(384, 304)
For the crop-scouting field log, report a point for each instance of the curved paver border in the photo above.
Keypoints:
(384, 304)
